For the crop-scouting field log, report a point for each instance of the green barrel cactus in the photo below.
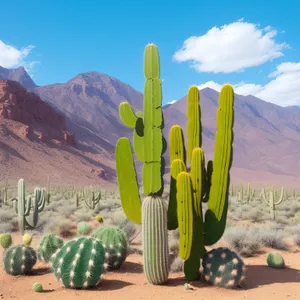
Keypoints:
(114, 242)
(79, 263)
(223, 267)
(5, 240)
(148, 144)
(37, 287)
(275, 260)
(48, 246)
(27, 239)
(83, 228)
(19, 259)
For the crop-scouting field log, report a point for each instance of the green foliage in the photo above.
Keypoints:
(79, 263)
(5, 240)
(19, 259)
(275, 260)
(222, 267)
(114, 242)
(48, 246)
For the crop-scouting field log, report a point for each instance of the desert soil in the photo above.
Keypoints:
(262, 282)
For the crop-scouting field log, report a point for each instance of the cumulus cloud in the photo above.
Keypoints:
(171, 102)
(11, 57)
(282, 90)
(231, 48)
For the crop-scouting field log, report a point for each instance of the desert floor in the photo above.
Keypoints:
(262, 282)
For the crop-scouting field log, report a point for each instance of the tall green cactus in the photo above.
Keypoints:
(272, 202)
(28, 209)
(208, 185)
(148, 146)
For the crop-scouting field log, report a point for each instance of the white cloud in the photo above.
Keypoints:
(11, 57)
(172, 102)
(282, 90)
(231, 48)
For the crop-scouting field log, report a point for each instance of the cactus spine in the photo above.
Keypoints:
(23, 206)
(272, 202)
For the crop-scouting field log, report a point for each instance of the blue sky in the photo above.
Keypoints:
(254, 45)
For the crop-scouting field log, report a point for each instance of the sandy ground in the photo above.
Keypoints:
(129, 282)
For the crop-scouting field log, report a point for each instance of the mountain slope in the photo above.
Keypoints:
(19, 74)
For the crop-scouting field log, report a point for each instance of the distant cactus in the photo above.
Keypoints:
(19, 259)
(37, 287)
(271, 201)
(5, 240)
(115, 243)
(27, 239)
(90, 198)
(28, 209)
(48, 246)
(223, 267)
(83, 228)
(275, 260)
(79, 263)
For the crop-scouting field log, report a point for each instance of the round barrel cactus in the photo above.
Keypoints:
(223, 267)
(19, 259)
(275, 260)
(115, 243)
(5, 240)
(83, 228)
(79, 263)
(48, 246)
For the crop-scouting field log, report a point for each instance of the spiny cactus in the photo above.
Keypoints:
(83, 228)
(223, 267)
(48, 246)
(149, 146)
(19, 259)
(79, 263)
(115, 243)
(200, 184)
(275, 260)
(28, 209)
(272, 202)
(27, 239)
(5, 240)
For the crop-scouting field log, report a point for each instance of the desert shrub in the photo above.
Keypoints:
(177, 265)
(273, 238)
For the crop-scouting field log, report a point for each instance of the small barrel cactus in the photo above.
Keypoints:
(19, 259)
(5, 240)
(83, 228)
(115, 243)
(275, 260)
(48, 246)
(99, 219)
(79, 263)
(223, 267)
(37, 287)
(27, 239)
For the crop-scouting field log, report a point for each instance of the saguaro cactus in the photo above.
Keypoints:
(272, 202)
(148, 146)
(28, 209)
(90, 198)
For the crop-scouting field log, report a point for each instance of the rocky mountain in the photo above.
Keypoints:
(19, 74)
(267, 136)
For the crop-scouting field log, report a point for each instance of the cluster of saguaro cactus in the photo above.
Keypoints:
(192, 183)
(223, 267)
(188, 189)
(28, 209)
(114, 242)
(48, 246)
(90, 198)
(19, 259)
(79, 263)
(4, 193)
(272, 202)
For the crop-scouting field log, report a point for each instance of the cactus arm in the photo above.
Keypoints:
(185, 214)
(127, 116)
(280, 197)
(177, 167)
(129, 192)
(177, 149)
(263, 193)
(209, 171)
(42, 200)
(218, 198)
(138, 140)
(193, 127)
